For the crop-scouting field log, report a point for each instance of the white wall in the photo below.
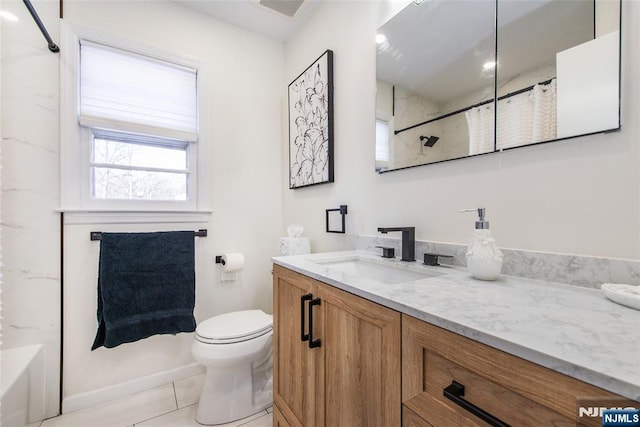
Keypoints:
(30, 194)
(579, 196)
(245, 175)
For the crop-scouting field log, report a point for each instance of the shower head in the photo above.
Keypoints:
(429, 141)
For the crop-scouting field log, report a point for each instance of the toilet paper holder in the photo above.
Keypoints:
(232, 263)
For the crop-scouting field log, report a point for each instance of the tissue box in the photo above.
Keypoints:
(294, 246)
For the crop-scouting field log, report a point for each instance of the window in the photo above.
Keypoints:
(141, 117)
(383, 157)
(382, 141)
(132, 138)
(132, 167)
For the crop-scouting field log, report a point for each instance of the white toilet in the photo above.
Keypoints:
(236, 349)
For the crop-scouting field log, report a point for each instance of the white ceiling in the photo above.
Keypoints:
(253, 16)
(438, 48)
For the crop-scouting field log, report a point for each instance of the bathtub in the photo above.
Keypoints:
(22, 386)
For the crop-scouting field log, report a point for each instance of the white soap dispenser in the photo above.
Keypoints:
(484, 259)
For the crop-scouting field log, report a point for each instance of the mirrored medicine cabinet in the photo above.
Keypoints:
(468, 77)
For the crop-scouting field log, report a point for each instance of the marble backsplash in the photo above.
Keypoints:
(576, 270)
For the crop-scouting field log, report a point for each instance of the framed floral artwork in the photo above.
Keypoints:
(311, 124)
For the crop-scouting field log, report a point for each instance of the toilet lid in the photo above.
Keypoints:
(235, 326)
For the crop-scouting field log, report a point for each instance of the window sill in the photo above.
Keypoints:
(74, 216)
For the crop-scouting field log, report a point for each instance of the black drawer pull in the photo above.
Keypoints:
(455, 392)
(303, 298)
(313, 343)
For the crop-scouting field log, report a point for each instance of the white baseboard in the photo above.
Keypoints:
(128, 388)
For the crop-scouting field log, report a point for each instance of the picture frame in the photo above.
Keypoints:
(311, 124)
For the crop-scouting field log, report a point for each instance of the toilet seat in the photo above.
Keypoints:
(235, 327)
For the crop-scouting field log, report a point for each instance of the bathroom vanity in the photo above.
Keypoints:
(347, 370)
(361, 340)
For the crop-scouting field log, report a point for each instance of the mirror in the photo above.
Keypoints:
(556, 76)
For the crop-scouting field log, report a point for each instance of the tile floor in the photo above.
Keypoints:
(170, 405)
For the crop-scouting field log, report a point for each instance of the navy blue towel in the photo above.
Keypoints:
(146, 286)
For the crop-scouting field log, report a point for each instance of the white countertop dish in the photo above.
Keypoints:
(569, 329)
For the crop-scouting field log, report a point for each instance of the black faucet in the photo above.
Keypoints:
(408, 241)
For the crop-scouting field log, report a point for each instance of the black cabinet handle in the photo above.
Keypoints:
(303, 298)
(313, 343)
(455, 392)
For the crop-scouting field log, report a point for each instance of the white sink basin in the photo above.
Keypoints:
(383, 272)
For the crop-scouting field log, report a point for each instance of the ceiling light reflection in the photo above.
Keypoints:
(8, 16)
(489, 65)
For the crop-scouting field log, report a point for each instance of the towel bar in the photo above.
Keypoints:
(97, 235)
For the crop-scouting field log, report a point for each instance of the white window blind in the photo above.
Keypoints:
(382, 141)
(136, 93)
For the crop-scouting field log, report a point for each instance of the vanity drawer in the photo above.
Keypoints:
(513, 390)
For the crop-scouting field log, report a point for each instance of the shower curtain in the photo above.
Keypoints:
(480, 123)
(545, 117)
(522, 119)
(528, 117)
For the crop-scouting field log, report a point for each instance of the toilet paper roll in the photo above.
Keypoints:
(233, 261)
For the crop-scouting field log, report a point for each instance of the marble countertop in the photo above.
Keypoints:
(569, 329)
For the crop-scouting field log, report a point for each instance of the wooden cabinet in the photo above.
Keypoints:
(410, 419)
(278, 419)
(337, 364)
(351, 377)
(294, 367)
(513, 390)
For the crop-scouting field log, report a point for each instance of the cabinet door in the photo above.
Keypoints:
(410, 419)
(294, 374)
(278, 418)
(361, 371)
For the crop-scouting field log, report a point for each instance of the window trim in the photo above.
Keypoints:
(75, 151)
